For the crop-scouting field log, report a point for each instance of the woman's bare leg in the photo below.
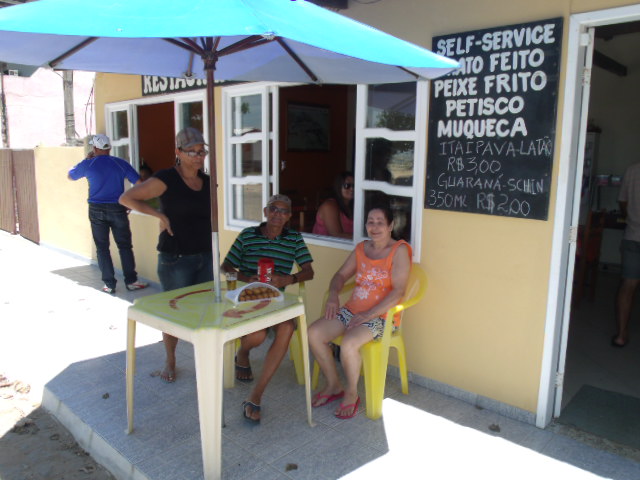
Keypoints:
(169, 372)
(321, 332)
(351, 361)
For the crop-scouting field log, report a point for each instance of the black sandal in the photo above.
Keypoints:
(247, 374)
(616, 344)
(254, 407)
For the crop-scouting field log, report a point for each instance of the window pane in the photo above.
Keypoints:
(122, 151)
(392, 106)
(270, 112)
(191, 115)
(389, 161)
(246, 159)
(247, 114)
(247, 202)
(401, 208)
(120, 125)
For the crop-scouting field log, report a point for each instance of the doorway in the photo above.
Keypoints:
(156, 134)
(593, 375)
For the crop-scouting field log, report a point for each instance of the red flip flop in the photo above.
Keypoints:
(330, 398)
(353, 413)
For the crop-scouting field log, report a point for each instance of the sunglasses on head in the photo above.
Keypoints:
(274, 209)
(347, 185)
(199, 153)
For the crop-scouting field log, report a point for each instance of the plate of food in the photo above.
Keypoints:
(254, 291)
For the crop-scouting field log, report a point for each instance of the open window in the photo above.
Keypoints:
(143, 131)
(295, 140)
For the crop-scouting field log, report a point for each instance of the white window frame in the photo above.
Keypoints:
(271, 182)
(132, 118)
(418, 137)
(190, 97)
(131, 139)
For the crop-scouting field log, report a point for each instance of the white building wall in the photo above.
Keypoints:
(35, 108)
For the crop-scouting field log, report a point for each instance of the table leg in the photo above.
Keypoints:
(131, 370)
(229, 364)
(302, 326)
(209, 353)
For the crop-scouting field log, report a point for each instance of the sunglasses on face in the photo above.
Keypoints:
(199, 153)
(274, 209)
(347, 186)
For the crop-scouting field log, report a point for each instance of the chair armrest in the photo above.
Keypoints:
(347, 287)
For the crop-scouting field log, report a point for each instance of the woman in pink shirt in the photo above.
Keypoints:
(335, 215)
(381, 266)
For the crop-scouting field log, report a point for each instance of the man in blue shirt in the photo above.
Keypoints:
(106, 175)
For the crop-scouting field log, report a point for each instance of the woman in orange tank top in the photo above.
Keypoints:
(381, 266)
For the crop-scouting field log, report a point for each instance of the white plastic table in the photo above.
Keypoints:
(191, 314)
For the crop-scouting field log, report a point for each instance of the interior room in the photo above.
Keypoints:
(601, 388)
(316, 144)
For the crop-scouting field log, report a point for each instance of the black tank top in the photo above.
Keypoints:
(189, 212)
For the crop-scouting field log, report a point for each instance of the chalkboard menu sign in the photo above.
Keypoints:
(492, 122)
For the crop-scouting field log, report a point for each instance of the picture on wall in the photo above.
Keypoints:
(307, 127)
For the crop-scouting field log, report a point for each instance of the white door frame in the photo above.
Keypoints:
(565, 215)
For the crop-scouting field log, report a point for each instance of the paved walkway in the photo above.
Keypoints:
(59, 332)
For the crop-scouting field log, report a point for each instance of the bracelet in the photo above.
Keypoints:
(295, 278)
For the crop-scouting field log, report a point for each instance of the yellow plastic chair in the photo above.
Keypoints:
(375, 354)
(295, 346)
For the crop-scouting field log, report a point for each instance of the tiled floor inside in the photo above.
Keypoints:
(591, 360)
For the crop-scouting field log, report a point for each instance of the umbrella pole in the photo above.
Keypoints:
(213, 179)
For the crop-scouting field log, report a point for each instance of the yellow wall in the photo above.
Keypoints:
(62, 203)
(63, 212)
(111, 87)
(482, 323)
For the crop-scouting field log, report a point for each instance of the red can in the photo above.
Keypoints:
(265, 269)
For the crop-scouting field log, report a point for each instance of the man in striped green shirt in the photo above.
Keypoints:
(270, 239)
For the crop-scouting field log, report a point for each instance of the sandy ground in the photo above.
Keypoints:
(34, 445)
(52, 314)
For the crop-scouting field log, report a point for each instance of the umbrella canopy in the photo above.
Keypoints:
(243, 40)
(258, 40)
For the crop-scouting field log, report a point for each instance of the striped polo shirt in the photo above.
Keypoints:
(251, 245)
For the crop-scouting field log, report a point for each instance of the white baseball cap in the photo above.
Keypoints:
(101, 142)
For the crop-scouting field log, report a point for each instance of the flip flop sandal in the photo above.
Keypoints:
(254, 407)
(329, 398)
(245, 371)
(353, 413)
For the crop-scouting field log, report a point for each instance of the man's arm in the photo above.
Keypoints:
(306, 273)
(77, 172)
(228, 267)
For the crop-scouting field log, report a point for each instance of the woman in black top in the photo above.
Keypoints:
(184, 245)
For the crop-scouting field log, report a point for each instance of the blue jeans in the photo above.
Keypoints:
(112, 216)
(178, 271)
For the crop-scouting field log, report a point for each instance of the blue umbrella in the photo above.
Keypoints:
(246, 40)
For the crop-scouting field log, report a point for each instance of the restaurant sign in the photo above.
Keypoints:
(154, 85)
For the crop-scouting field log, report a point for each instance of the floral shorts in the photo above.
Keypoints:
(376, 325)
